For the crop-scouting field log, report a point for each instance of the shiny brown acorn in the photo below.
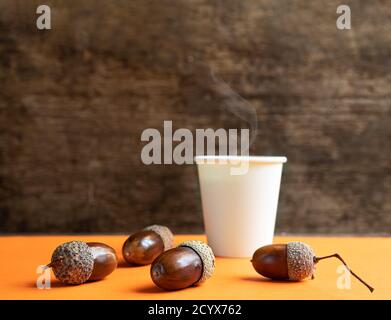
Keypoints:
(105, 260)
(76, 262)
(191, 263)
(144, 246)
(293, 261)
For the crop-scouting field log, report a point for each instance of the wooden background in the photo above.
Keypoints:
(74, 101)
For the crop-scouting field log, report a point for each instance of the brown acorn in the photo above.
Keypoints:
(76, 262)
(144, 246)
(191, 263)
(294, 261)
(105, 260)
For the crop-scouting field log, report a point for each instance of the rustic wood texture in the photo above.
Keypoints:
(74, 101)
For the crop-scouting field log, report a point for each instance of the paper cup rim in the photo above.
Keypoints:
(258, 159)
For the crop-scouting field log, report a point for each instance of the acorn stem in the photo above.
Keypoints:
(336, 255)
(52, 263)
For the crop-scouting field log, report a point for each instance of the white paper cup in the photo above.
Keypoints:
(239, 210)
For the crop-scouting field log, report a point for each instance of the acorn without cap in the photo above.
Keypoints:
(76, 262)
(144, 246)
(293, 261)
(191, 263)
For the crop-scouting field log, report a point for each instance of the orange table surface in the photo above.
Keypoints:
(233, 278)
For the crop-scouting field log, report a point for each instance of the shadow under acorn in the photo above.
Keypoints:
(267, 280)
(124, 264)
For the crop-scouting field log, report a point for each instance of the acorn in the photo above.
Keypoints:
(76, 262)
(142, 247)
(105, 260)
(293, 261)
(189, 264)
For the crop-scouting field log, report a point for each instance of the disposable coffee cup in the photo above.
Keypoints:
(239, 210)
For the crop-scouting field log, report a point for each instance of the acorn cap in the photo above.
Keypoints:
(300, 259)
(206, 254)
(164, 233)
(72, 262)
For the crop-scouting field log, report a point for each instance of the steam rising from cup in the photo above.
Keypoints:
(242, 109)
(238, 106)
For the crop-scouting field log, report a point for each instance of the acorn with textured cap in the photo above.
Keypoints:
(144, 246)
(76, 262)
(293, 261)
(189, 264)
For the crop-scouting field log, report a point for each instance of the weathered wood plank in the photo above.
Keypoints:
(74, 101)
